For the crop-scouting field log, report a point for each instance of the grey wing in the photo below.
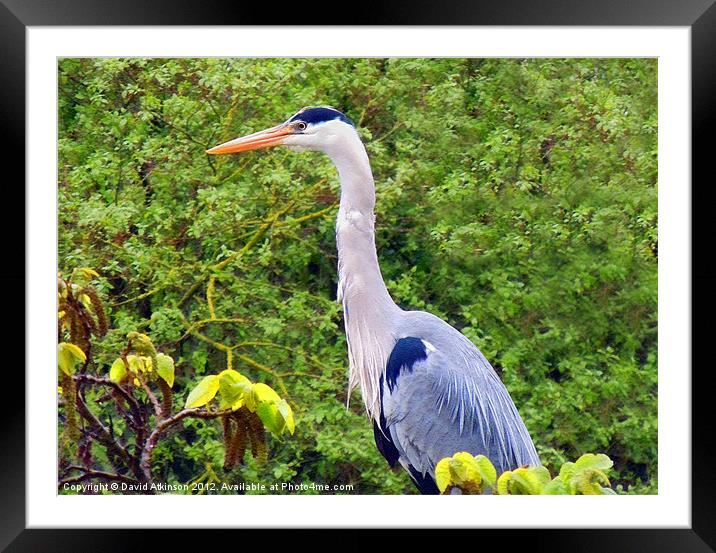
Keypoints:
(445, 405)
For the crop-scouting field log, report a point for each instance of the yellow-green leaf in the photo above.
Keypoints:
(204, 392)
(68, 356)
(264, 393)
(118, 371)
(287, 413)
(234, 388)
(86, 301)
(590, 460)
(588, 481)
(556, 487)
(503, 482)
(529, 481)
(442, 474)
(136, 364)
(523, 483)
(464, 469)
(541, 474)
(566, 472)
(141, 343)
(269, 415)
(487, 470)
(86, 272)
(165, 368)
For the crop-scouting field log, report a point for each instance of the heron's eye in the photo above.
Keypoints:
(301, 126)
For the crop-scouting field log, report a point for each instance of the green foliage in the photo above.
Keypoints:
(247, 409)
(165, 368)
(237, 392)
(204, 392)
(517, 199)
(68, 357)
(476, 475)
(472, 475)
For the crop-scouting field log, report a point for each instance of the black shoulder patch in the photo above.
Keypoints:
(382, 435)
(320, 115)
(405, 354)
(385, 444)
(424, 483)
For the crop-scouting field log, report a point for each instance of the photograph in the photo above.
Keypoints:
(357, 276)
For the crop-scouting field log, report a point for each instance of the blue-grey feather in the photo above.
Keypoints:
(452, 400)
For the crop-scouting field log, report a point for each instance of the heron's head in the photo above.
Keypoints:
(312, 128)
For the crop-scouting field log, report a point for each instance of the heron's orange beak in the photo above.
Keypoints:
(262, 139)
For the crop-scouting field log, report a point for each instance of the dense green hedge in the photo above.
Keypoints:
(517, 199)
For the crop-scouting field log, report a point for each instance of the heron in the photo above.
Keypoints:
(428, 390)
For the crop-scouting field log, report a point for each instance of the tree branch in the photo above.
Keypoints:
(88, 474)
(153, 399)
(129, 398)
(104, 435)
(164, 425)
(268, 223)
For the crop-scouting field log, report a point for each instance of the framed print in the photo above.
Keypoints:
(288, 338)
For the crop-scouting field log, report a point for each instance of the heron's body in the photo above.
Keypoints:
(429, 391)
(440, 396)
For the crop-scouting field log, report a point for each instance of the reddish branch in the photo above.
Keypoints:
(104, 434)
(153, 399)
(89, 474)
(129, 398)
(164, 425)
(139, 462)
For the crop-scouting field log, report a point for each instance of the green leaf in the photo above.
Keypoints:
(138, 364)
(204, 392)
(86, 301)
(589, 481)
(165, 368)
(118, 371)
(270, 417)
(487, 470)
(464, 469)
(527, 481)
(587, 475)
(287, 414)
(556, 487)
(590, 460)
(234, 388)
(264, 393)
(443, 476)
(471, 474)
(523, 483)
(541, 474)
(86, 272)
(566, 472)
(141, 343)
(68, 357)
(503, 482)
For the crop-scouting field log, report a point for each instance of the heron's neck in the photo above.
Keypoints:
(368, 309)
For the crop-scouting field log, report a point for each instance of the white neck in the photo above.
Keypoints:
(369, 311)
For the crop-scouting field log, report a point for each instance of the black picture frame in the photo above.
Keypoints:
(699, 15)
